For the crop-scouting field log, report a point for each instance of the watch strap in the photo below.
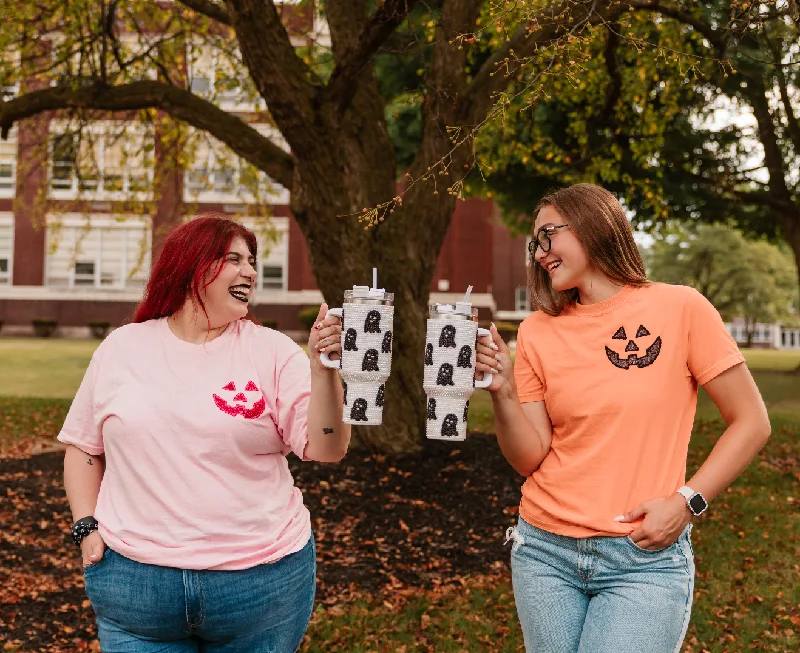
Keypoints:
(82, 528)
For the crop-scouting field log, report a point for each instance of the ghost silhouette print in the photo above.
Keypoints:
(450, 426)
(359, 411)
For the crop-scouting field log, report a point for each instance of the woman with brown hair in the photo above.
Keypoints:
(192, 532)
(597, 417)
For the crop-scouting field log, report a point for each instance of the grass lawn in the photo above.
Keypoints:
(747, 548)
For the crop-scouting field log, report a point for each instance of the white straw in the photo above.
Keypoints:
(374, 277)
(466, 297)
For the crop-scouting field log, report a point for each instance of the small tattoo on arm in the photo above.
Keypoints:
(327, 431)
(89, 462)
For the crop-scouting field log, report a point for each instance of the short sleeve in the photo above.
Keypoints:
(294, 391)
(711, 349)
(530, 386)
(81, 427)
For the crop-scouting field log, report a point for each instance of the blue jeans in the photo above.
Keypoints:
(600, 594)
(147, 609)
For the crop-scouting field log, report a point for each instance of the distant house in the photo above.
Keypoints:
(765, 336)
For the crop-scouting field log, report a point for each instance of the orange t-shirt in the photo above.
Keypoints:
(619, 382)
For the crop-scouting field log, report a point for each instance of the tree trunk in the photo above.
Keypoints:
(790, 226)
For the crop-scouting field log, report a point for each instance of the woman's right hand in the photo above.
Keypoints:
(92, 548)
(493, 355)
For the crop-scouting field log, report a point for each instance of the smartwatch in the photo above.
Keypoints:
(696, 501)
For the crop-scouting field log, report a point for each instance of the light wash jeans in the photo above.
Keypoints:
(150, 609)
(600, 594)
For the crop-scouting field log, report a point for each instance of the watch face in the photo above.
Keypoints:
(698, 504)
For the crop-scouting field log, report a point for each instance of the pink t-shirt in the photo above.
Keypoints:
(195, 439)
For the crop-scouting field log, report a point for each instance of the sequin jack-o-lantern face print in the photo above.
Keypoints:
(631, 358)
(246, 405)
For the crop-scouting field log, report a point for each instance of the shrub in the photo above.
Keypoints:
(44, 327)
(307, 316)
(99, 328)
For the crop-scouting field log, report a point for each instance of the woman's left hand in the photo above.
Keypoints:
(326, 335)
(664, 521)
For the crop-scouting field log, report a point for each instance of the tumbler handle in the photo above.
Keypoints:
(486, 381)
(326, 360)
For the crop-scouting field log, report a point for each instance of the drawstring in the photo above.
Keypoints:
(513, 534)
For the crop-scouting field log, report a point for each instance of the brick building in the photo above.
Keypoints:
(84, 255)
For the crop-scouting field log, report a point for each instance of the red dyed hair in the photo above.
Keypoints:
(189, 252)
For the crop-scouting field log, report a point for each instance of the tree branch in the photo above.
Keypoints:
(286, 83)
(792, 127)
(712, 36)
(182, 105)
(568, 16)
(379, 27)
(209, 9)
(756, 95)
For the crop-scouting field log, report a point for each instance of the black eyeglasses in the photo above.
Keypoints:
(542, 239)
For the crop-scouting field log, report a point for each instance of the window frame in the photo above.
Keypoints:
(98, 223)
(7, 277)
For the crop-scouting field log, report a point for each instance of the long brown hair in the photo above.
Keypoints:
(597, 219)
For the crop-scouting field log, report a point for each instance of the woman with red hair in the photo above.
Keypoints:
(192, 533)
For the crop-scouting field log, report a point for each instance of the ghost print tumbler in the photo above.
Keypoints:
(367, 316)
(449, 369)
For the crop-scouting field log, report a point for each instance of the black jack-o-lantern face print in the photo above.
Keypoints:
(350, 340)
(632, 359)
(379, 396)
(465, 357)
(240, 404)
(370, 363)
(359, 411)
(373, 322)
(429, 354)
(447, 338)
(386, 345)
(466, 410)
(445, 376)
(344, 385)
(450, 426)
(431, 408)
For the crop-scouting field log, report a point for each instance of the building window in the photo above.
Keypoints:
(105, 254)
(8, 165)
(6, 236)
(215, 171)
(521, 302)
(101, 162)
(272, 237)
(83, 274)
(220, 77)
(272, 276)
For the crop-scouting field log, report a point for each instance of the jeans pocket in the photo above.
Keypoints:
(93, 567)
(636, 547)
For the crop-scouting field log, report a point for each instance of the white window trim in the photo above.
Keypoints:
(99, 128)
(11, 191)
(277, 194)
(518, 305)
(76, 221)
(228, 101)
(7, 220)
(280, 225)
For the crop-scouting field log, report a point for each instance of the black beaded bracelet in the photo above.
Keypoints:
(82, 528)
